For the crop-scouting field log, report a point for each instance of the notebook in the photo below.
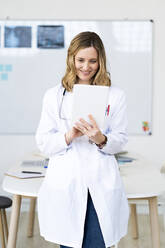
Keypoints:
(89, 99)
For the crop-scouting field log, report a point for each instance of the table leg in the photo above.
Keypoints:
(155, 231)
(31, 217)
(134, 224)
(14, 219)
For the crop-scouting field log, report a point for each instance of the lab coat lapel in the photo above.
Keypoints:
(66, 109)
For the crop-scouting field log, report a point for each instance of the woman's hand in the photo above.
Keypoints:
(90, 129)
(72, 134)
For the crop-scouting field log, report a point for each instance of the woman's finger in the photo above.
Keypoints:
(80, 127)
(93, 122)
(87, 125)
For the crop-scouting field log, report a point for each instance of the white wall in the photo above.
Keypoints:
(12, 148)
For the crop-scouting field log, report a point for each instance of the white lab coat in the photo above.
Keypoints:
(75, 168)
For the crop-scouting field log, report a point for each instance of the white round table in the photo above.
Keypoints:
(141, 180)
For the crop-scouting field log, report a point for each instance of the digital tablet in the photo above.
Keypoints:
(89, 99)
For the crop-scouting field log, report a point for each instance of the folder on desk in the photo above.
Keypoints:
(124, 159)
(41, 163)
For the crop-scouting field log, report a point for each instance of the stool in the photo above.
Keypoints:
(5, 202)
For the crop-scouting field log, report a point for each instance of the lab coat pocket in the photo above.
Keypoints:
(61, 171)
(109, 173)
(107, 124)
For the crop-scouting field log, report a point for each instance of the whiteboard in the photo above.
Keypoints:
(27, 72)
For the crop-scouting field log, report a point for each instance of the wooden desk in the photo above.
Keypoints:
(141, 181)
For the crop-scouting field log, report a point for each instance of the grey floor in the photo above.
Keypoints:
(36, 241)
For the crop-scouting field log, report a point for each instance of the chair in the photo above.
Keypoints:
(5, 202)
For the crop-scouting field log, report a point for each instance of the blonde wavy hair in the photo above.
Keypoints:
(81, 41)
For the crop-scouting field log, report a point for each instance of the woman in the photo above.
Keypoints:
(81, 202)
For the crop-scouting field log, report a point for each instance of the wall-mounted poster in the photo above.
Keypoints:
(50, 37)
(18, 36)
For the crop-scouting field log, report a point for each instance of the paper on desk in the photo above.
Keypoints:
(20, 175)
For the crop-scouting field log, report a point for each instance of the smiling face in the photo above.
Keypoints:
(86, 64)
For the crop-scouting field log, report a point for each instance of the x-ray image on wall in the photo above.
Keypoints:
(18, 36)
(50, 37)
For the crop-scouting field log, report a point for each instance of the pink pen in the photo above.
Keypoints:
(108, 109)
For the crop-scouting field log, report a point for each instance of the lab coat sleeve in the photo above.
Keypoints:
(117, 131)
(49, 140)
